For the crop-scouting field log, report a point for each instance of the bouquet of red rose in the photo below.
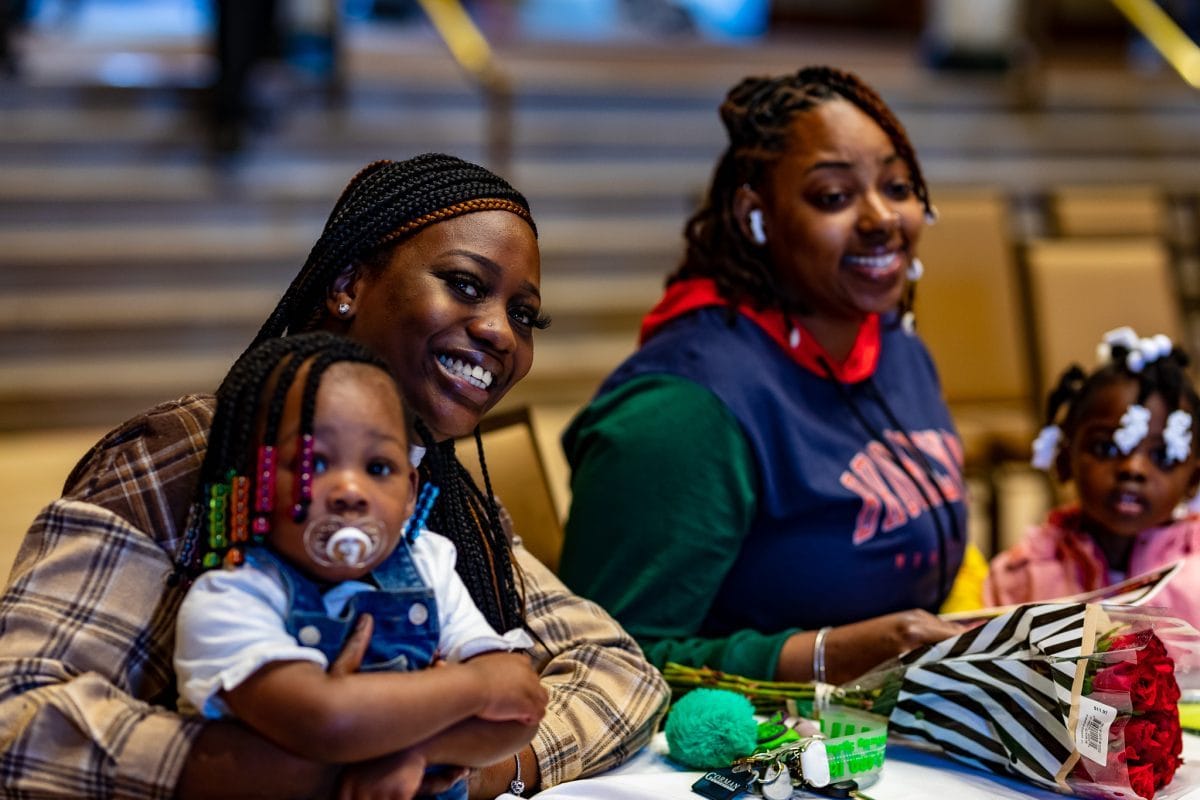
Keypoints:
(1128, 731)
(1081, 699)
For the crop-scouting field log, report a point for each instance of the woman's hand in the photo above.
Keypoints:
(496, 779)
(851, 650)
(400, 776)
(394, 777)
(515, 692)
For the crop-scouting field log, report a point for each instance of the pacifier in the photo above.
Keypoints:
(337, 542)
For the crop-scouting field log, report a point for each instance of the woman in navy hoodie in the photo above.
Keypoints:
(772, 484)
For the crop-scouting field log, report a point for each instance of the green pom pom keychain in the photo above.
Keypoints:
(711, 728)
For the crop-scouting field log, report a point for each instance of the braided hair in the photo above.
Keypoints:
(757, 114)
(1068, 401)
(462, 506)
(236, 491)
(386, 203)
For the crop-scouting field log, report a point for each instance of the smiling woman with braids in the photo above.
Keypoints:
(433, 263)
(772, 485)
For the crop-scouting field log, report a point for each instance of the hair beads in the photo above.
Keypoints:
(219, 526)
(303, 489)
(416, 523)
(218, 503)
(264, 498)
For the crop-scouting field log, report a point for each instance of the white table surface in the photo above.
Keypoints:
(909, 773)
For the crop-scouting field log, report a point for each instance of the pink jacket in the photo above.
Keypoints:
(1056, 559)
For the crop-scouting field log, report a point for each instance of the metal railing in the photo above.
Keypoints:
(470, 49)
(1168, 38)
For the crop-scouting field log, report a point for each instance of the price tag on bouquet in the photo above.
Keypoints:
(1091, 732)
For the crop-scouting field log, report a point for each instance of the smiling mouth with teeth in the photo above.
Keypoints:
(872, 262)
(477, 376)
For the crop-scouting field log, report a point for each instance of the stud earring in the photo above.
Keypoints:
(915, 270)
(757, 233)
(343, 309)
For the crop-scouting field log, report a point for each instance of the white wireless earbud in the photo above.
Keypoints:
(757, 233)
(915, 270)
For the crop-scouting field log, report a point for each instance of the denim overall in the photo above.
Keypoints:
(404, 610)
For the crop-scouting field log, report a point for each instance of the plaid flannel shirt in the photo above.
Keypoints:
(87, 628)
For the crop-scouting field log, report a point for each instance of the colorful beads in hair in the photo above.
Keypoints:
(416, 523)
(303, 486)
(219, 525)
(264, 495)
(240, 495)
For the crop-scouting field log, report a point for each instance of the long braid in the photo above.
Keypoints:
(757, 114)
(252, 395)
(517, 586)
(471, 521)
(237, 400)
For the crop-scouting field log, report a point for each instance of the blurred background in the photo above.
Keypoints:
(166, 164)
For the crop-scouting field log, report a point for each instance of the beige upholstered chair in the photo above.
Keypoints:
(33, 467)
(1081, 288)
(1108, 210)
(519, 479)
(969, 314)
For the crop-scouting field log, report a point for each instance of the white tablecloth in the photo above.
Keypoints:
(909, 773)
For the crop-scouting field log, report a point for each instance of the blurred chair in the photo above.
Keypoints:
(33, 467)
(1080, 288)
(969, 314)
(519, 479)
(1109, 210)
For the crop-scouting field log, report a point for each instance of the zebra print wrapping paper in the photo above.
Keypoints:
(1076, 698)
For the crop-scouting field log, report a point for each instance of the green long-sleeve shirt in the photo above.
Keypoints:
(657, 566)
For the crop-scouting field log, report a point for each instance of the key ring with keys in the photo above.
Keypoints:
(803, 762)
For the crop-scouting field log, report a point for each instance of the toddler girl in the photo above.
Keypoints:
(307, 502)
(1125, 441)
